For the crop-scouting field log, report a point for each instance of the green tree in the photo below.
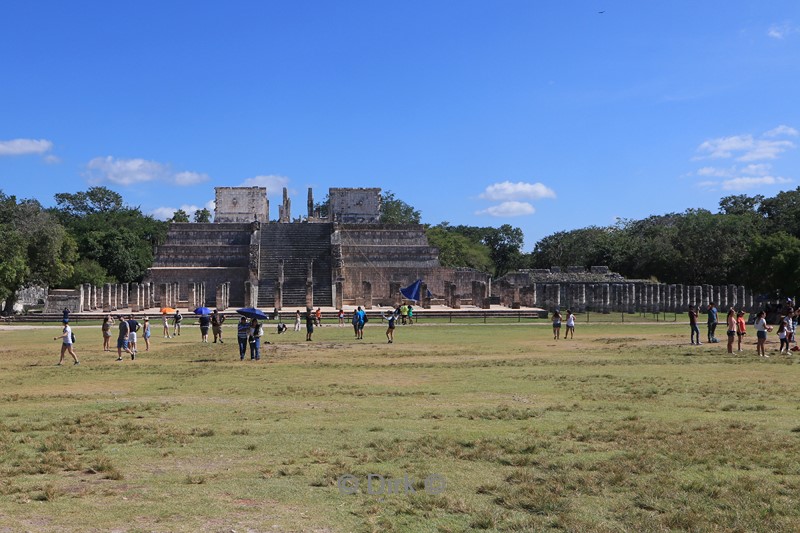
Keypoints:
(202, 216)
(772, 265)
(179, 216)
(782, 212)
(505, 248)
(456, 250)
(95, 200)
(396, 211)
(87, 271)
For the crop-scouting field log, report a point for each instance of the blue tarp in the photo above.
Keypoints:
(412, 291)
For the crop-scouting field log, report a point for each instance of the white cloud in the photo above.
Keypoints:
(508, 209)
(716, 172)
(746, 147)
(743, 184)
(133, 171)
(781, 31)
(25, 147)
(761, 169)
(782, 130)
(271, 182)
(507, 190)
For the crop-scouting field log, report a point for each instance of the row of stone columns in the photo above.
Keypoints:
(223, 295)
(629, 297)
(113, 296)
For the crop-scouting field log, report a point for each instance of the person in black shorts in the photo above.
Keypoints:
(311, 318)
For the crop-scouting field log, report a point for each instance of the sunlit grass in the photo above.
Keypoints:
(626, 427)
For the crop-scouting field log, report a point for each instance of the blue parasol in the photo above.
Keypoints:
(252, 312)
(202, 311)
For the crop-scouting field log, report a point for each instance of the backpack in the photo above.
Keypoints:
(73, 338)
(366, 318)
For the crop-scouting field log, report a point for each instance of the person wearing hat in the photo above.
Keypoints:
(66, 343)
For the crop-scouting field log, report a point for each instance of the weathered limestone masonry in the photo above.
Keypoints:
(241, 204)
(602, 291)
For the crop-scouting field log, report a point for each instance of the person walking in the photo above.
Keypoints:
(731, 323)
(354, 321)
(311, 319)
(390, 318)
(205, 322)
(122, 340)
(761, 333)
(556, 324)
(362, 319)
(782, 336)
(176, 323)
(216, 325)
(255, 333)
(66, 343)
(107, 323)
(318, 317)
(341, 318)
(165, 321)
(741, 328)
(242, 332)
(146, 334)
(297, 320)
(712, 322)
(693, 324)
(133, 328)
(570, 325)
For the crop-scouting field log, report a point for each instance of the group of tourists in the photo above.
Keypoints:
(737, 328)
(570, 324)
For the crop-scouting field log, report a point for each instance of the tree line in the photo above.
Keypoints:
(94, 237)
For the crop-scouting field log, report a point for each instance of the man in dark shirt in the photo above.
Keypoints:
(122, 340)
(205, 322)
(310, 320)
(693, 324)
(216, 325)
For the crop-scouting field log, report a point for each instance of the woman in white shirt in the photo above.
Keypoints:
(66, 343)
(761, 333)
(570, 325)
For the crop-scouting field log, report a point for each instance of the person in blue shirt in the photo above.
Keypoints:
(391, 318)
(712, 322)
(362, 319)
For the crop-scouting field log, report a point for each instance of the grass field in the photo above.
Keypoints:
(627, 427)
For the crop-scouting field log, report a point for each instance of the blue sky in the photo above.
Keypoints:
(546, 115)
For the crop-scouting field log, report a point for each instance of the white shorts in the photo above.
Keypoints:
(132, 336)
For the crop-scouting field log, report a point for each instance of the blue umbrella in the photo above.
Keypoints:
(252, 312)
(202, 311)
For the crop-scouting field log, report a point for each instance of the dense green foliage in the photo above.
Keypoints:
(752, 241)
(396, 211)
(115, 241)
(496, 250)
(35, 248)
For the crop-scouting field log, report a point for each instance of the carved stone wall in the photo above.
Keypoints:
(241, 204)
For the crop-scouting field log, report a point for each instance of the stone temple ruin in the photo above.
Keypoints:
(346, 256)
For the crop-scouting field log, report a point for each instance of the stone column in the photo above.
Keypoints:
(455, 298)
(338, 301)
(366, 294)
(424, 299)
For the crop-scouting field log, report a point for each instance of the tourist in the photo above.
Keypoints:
(165, 321)
(255, 333)
(205, 322)
(712, 322)
(556, 324)
(341, 318)
(782, 335)
(146, 334)
(65, 315)
(410, 314)
(403, 314)
(281, 328)
(362, 319)
(176, 323)
(391, 317)
(693, 324)
(216, 325)
(311, 319)
(122, 340)
(107, 323)
(761, 333)
(731, 322)
(789, 326)
(741, 328)
(570, 325)
(66, 343)
(318, 316)
(354, 321)
(242, 332)
(297, 320)
(133, 326)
